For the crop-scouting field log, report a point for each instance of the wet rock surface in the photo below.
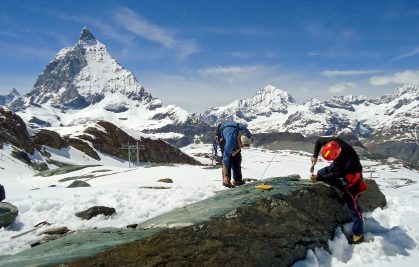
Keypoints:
(8, 214)
(243, 226)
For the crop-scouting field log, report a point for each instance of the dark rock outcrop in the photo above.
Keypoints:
(83, 147)
(13, 131)
(95, 211)
(78, 183)
(243, 226)
(48, 138)
(112, 138)
(8, 214)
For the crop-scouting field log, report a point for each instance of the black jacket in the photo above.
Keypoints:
(347, 162)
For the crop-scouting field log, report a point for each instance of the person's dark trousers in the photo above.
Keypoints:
(358, 224)
(357, 227)
(236, 165)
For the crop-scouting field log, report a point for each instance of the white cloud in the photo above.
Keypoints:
(137, 25)
(270, 55)
(341, 87)
(314, 53)
(334, 73)
(232, 70)
(243, 54)
(411, 53)
(9, 34)
(408, 76)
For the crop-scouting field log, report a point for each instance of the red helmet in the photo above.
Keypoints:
(331, 151)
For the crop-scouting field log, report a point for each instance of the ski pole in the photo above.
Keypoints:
(31, 230)
(268, 166)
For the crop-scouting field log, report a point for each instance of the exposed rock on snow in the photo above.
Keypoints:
(13, 131)
(78, 183)
(240, 226)
(8, 214)
(95, 211)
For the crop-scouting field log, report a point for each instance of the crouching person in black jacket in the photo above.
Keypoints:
(345, 173)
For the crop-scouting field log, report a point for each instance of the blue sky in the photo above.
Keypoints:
(202, 53)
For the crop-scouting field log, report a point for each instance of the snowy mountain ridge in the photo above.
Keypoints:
(84, 84)
(356, 114)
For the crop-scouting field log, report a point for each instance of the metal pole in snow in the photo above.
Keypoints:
(129, 157)
(138, 156)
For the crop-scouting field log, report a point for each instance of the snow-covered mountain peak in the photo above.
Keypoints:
(86, 37)
(267, 100)
(6, 99)
(83, 75)
(272, 92)
(14, 92)
(264, 103)
(403, 91)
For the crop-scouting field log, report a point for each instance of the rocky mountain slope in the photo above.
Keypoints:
(40, 148)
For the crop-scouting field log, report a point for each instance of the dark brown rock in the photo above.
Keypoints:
(13, 131)
(112, 138)
(56, 231)
(95, 211)
(166, 180)
(84, 147)
(48, 138)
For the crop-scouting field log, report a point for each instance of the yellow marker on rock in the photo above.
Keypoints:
(264, 187)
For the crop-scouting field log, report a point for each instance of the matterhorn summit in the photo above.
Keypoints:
(86, 37)
(83, 75)
(84, 83)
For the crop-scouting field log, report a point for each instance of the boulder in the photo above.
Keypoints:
(166, 180)
(243, 226)
(373, 197)
(8, 214)
(95, 211)
(78, 183)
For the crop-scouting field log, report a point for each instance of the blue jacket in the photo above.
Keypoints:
(229, 133)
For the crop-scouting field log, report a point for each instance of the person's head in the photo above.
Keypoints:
(331, 151)
(244, 141)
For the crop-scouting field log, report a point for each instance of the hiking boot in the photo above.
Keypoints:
(238, 183)
(356, 239)
(227, 183)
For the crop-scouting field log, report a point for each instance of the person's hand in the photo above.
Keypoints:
(235, 152)
(313, 161)
(314, 178)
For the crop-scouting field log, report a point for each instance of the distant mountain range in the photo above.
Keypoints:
(274, 110)
(85, 84)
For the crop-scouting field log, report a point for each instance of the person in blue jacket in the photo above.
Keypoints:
(232, 137)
